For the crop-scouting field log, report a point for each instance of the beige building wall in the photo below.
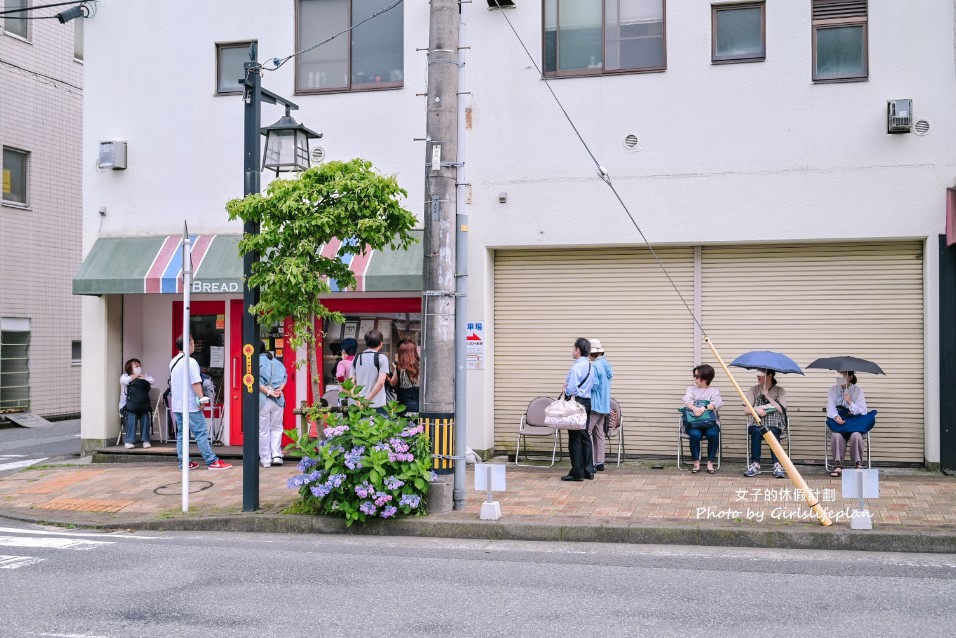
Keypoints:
(41, 101)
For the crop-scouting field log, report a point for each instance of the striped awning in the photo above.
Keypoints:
(151, 265)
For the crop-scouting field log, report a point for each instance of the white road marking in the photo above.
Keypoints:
(12, 562)
(12, 456)
(17, 530)
(53, 543)
(18, 464)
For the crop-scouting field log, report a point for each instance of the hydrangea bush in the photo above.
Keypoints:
(364, 465)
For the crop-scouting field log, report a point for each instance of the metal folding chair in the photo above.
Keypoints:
(682, 436)
(619, 436)
(827, 448)
(532, 424)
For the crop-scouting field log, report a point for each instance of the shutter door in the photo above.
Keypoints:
(545, 299)
(810, 301)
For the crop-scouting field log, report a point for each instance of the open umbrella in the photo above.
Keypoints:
(766, 360)
(846, 364)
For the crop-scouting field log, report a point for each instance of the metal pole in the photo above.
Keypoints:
(250, 296)
(438, 383)
(188, 397)
(461, 288)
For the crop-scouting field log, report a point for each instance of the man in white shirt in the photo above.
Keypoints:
(178, 368)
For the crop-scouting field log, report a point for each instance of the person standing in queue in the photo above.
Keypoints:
(370, 369)
(600, 402)
(578, 384)
(272, 380)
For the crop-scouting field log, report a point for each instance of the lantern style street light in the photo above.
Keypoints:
(287, 150)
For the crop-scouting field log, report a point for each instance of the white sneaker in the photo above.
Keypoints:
(129, 446)
(147, 445)
(267, 465)
(277, 460)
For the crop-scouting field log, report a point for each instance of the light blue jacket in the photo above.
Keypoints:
(272, 374)
(601, 390)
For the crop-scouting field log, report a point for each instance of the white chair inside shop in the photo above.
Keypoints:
(532, 424)
(827, 450)
(617, 436)
(784, 435)
(683, 436)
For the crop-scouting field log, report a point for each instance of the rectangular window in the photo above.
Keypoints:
(230, 61)
(16, 23)
(370, 56)
(839, 40)
(14, 176)
(738, 32)
(76, 352)
(79, 25)
(14, 364)
(588, 37)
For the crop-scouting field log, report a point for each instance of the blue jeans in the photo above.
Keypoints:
(695, 434)
(145, 422)
(756, 438)
(197, 425)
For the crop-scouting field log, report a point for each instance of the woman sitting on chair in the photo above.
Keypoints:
(701, 402)
(844, 401)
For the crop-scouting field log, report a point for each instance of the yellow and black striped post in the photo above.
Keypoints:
(440, 429)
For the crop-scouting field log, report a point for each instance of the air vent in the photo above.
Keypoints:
(631, 142)
(318, 155)
(921, 127)
(838, 9)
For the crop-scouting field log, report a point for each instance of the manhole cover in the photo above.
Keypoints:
(176, 489)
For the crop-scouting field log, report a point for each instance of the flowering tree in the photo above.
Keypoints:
(296, 217)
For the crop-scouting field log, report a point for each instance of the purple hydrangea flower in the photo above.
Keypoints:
(336, 480)
(364, 490)
(412, 500)
(306, 464)
(336, 431)
(398, 445)
(394, 483)
(381, 498)
(321, 490)
(412, 431)
(353, 458)
(382, 447)
(367, 508)
(389, 511)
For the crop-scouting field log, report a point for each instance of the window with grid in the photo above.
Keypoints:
(585, 37)
(14, 176)
(16, 23)
(738, 32)
(839, 40)
(370, 56)
(230, 61)
(14, 365)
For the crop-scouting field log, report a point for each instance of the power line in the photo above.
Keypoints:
(602, 172)
(56, 81)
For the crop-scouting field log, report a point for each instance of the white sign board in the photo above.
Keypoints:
(475, 345)
(497, 477)
(217, 357)
(852, 483)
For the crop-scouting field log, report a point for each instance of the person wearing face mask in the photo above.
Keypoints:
(844, 401)
(578, 384)
(134, 403)
(766, 394)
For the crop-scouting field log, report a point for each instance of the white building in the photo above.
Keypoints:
(41, 104)
(749, 141)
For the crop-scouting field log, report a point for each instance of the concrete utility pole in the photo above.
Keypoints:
(441, 154)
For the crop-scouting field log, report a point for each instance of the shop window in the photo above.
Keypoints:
(17, 23)
(14, 176)
(76, 353)
(14, 364)
(209, 334)
(79, 26)
(370, 56)
(585, 37)
(395, 328)
(839, 40)
(230, 59)
(738, 32)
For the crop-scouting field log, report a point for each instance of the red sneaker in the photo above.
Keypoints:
(192, 466)
(219, 464)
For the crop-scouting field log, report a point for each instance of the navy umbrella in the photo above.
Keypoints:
(766, 360)
(846, 364)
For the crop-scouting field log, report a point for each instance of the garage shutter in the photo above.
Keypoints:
(545, 299)
(821, 300)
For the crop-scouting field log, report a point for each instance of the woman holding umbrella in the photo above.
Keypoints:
(763, 396)
(843, 400)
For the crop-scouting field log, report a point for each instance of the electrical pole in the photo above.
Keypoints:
(438, 296)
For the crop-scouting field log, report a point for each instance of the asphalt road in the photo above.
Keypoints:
(21, 447)
(59, 582)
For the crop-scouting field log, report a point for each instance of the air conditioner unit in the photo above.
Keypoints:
(112, 155)
(899, 116)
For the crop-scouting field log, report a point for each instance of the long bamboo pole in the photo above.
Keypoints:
(774, 444)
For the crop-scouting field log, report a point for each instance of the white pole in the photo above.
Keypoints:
(187, 387)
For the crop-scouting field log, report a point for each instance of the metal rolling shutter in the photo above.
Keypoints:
(809, 301)
(544, 299)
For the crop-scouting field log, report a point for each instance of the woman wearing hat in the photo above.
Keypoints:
(600, 402)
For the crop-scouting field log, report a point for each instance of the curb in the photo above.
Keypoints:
(810, 538)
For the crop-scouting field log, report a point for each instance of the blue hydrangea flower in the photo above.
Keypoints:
(412, 500)
(394, 483)
(389, 511)
(367, 508)
(306, 464)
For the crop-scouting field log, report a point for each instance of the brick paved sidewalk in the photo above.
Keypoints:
(134, 493)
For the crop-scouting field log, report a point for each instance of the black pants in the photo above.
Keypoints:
(579, 446)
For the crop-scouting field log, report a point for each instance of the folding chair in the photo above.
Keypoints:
(826, 447)
(620, 431)
(532, 424)
(784, 434)
(682, 436)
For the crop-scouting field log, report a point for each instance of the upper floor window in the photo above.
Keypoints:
(14, 176)
(16, 23)
(584, 37)
(230, 69)
(738, 32)
(79, 26)
(370, 56)
(839, 40)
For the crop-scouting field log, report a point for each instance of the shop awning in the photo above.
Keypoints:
(130, 265)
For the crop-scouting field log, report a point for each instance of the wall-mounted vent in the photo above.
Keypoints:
(899, 116)
(838, 9)
(318, 155)
(631, 142)
(921, 127)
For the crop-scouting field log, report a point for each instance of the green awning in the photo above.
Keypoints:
(125, 265)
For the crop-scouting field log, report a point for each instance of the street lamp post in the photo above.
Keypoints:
(287, 150)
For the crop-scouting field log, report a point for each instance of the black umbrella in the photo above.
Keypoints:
(846, 364)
